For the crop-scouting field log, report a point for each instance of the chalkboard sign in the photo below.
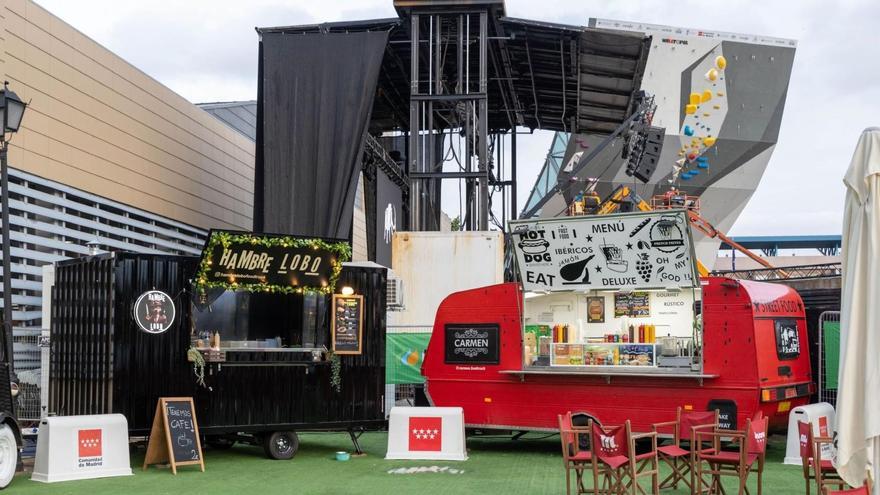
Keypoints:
(632, 304)
(174, 437)
(346, 324)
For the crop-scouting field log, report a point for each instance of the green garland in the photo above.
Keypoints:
(335, 371)
(225, 239)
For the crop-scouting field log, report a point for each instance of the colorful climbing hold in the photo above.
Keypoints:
(690, 109)
(706, 96)
(688, 131)
(709, 141)
(712, 74)
(720, 62)
(695, 99)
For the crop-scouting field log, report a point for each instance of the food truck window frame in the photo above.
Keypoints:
(779, 325)
(695, 286)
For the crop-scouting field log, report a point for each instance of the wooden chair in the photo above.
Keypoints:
(749, 457)
(862, 490)
(575, 454)
(678, 456)
(814, 467)
(614, 450)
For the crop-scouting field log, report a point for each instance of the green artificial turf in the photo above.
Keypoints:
(530, 465)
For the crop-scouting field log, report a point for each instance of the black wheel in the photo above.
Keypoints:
(281, 444)
(220, 443)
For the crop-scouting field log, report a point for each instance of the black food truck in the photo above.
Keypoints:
(270, 335)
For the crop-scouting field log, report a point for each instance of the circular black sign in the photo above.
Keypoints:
(154, 312)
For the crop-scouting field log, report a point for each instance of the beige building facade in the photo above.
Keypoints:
(98, 124)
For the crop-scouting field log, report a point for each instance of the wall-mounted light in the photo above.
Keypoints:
(347, 291)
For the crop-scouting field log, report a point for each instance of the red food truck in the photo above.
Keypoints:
(612, 320)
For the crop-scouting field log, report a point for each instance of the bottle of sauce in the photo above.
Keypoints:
(632, 333)
(642, 335)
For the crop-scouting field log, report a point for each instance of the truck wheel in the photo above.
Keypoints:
(281, 444)
(8, 455)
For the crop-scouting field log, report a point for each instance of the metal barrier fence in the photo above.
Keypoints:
(827, 394)
(27, 355)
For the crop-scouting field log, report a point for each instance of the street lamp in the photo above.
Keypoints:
(11, 112)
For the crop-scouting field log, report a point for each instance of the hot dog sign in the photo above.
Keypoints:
(625, 251)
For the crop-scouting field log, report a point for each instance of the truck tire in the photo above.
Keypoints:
(8, 455)
(281, 445)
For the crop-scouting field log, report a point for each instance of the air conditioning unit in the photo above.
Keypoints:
(395, 294)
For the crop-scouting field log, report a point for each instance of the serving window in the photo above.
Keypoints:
(621, 329)
(246, 320)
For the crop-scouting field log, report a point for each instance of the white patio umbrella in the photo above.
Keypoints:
(858, 395)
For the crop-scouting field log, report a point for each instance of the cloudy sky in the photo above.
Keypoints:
(206, 50)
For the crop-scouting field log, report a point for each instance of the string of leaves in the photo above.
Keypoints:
(198, 362)
(225, 239)
(335, 371)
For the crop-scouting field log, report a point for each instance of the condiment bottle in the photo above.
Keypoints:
(632, 333)
(642, 335)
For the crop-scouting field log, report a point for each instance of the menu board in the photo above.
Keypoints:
(174, 437)
(633, 304)
(606, 252)
(346, 325)
(181, 426)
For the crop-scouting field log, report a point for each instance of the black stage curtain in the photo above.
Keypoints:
(316, 97)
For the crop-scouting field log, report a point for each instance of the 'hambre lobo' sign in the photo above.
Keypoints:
(250, 260)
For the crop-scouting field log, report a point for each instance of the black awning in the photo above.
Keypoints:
(541, 75)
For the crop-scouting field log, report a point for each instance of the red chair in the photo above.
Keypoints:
(678, 456)
(811, 460)
(862, 490)
(749, 457)
(574, 456)
(614, 450)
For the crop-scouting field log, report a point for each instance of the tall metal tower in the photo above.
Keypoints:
(448, 94)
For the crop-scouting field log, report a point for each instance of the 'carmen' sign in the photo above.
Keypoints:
(247, 261)
(471, 344)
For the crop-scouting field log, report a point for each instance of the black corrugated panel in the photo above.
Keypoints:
(102, 363)
(816, 302)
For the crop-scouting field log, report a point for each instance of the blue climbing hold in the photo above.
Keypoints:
(703, 165)
(688, 131)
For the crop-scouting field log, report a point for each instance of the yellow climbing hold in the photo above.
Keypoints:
(716, 107)
(690, 109)
(709, 141)
(706, 96)
(720, 62)
(720, 93)
(706, 114)
(712, 75)
(695, 98)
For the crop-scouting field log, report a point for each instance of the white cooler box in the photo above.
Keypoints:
(821, 416)
(426, 433)
(82, 447)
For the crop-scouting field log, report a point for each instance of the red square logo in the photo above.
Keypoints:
(90, 443)
(425, 434)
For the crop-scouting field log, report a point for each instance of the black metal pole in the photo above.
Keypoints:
(514, 211)
(7, 259)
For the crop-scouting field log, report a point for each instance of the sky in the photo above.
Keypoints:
(206, 50)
